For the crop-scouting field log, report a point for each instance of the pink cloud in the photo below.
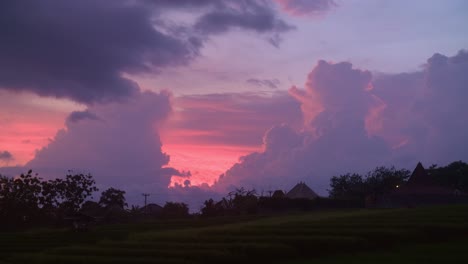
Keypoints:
(333, 137)
(354, 121)
(306, 8)
(120, 145)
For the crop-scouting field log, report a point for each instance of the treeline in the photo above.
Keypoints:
(245, 202)
(381, 180)
(29, 200)
(346, 191)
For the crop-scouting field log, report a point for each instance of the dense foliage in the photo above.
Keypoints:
(454, 175)
(113, 197)
(29, 199)
(379, 181)
(175, 210)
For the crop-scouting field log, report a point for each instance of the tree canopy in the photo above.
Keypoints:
(378, 181)
(111, 197)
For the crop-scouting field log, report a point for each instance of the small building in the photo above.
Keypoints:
(301, 191)
(151, 209)
(420, 190)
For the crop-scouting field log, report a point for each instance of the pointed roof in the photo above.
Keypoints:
(422, 183)
(419, 177)
(301, 190)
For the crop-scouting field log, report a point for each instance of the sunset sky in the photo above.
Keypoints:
(188, 99)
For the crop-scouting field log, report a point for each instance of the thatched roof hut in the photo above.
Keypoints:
(301, 191)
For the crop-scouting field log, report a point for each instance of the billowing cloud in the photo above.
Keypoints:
(273, 83)
(425, 111)
(335, 103)
(120, 149)
(306, 8)
(83, 50)
(353, 122)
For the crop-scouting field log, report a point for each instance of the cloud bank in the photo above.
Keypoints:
(354, 121)
(83, 50)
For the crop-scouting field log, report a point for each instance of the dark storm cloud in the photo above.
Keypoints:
(223, 15)
(258, 16)
(81, 49)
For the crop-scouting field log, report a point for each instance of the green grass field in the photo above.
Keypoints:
(422, 235)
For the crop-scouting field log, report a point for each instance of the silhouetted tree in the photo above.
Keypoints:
(73, 190)
(211, 208)
(376, 182)
(20, 199)
(244, 201)
(347, 186)
(382, 179)
(113, 196)
(175, 210)
(91, 208)
(454, 175)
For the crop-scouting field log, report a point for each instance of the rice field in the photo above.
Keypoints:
(363, 236)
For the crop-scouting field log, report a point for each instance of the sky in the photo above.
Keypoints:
(190, 99)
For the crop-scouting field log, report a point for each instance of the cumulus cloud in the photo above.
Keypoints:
(425, 113)
(121, 149)
(354, 121)
(273, 83)
(306, 8)
(82, 50)
(334, 105)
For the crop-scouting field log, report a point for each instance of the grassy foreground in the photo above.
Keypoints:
(361, 236)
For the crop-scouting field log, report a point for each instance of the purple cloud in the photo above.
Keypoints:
(425, 110)
(82, 50)
(123, 150)
(420, 118)
(272, 84)
(231, 119)
(76, 116)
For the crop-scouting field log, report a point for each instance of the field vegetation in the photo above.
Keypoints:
(362, 236)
